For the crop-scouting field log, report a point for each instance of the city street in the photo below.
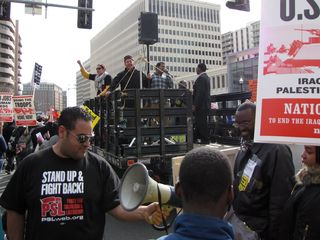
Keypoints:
(117, 230)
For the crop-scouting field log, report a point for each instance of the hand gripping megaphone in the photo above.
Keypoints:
(138, 188)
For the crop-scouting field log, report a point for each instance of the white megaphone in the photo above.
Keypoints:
(138, 188)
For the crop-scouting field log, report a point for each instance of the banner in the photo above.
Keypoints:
(36, 75)
(25, 114)
(6, 107)
(288, 94)
(95, 117)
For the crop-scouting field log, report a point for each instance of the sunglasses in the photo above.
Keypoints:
(82, 138)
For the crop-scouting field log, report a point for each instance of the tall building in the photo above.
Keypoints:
(64, 99)
(241, 40)
(10, 57)
(48, 96)
(188, 31)
(246, 69)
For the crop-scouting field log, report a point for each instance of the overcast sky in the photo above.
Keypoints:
(56, 43)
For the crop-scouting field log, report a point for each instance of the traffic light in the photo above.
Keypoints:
(242, 5)
(5, 10)
(85, 17)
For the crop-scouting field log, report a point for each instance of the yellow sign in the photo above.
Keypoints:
(95, 117)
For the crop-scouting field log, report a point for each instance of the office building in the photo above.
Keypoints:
(48, 96)
(64, 99)
(188, 32)
(241, 40)
(246, 69)
(10, 57)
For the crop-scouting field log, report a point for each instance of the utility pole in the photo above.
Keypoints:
(84, 10)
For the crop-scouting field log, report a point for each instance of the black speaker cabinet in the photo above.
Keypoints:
(148, 28)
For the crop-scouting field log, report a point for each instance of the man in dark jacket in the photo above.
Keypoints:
(129, 78)
(263, 177)
(201, 104)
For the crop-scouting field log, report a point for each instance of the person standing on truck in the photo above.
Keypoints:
(201, 105)
(161, 79)
(129, 78)
(102, 79)
(263, 178)
(64, 191)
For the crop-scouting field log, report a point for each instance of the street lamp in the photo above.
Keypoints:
(241, 84)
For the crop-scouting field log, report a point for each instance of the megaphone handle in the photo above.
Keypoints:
(160, 204)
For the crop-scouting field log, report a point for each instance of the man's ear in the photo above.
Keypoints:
(62, 131)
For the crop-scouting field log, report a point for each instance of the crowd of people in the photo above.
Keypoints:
(129, 78)
(62, 190)
(16, 142)
(264, 201)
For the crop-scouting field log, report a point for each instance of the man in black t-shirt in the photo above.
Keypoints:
(63, 192)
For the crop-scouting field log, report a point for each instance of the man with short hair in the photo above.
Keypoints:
(129, 78)
(201, 105)
(64, 191)
(205, 189)
(161, 79)
(263, 177)
(101, 79)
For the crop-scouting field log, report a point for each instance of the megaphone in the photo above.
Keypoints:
(137, 188)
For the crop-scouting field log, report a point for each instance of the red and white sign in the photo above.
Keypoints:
(25, 114)
(6, 107)
(288, 95)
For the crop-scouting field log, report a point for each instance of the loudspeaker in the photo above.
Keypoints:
(148, 28)
(138, 188)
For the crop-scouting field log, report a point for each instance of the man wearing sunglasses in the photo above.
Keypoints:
(64, 191)
(101, 79)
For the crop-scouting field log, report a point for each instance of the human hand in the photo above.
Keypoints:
(149, 76)
(153, 215)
